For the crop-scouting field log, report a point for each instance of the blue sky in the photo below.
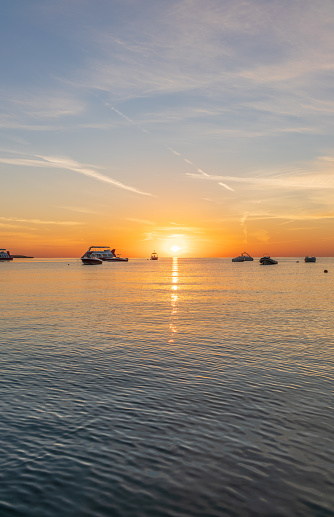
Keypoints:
(212, 117)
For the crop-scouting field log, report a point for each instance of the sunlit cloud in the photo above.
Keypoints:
(139, 221)
(40, 221)
(226, 186)
(67, 163)
(244, 226)
(300, 182)
(79, 210)
(12, 226)
(174, 152)
(175, 231)
(260, 235)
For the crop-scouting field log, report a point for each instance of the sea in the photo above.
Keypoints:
(171, 388)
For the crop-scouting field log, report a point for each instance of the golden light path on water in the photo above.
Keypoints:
(174, 297)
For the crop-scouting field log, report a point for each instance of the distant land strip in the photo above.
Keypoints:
(20, 256)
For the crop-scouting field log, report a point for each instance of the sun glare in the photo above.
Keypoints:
(175, 249)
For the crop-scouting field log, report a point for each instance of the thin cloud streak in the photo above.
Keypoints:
(226, 186)
(140, 221)
(78, 210)
(320, 181)
(39, 221)
(71, 165)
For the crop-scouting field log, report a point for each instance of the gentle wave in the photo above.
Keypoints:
(176, 388)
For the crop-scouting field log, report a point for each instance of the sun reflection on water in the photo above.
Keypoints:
(174, 297)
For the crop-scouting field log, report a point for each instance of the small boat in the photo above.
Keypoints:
(154, 256)
(5, 255)
(310, 259)
(244, 257)
(90, 259)
(267, 261)
(105, 254)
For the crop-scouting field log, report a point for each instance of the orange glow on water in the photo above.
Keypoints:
(174, 298)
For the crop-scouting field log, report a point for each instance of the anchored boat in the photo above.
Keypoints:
(5, 255)
(309, 259)
(244, 257)
(90, 259)
(154, 256)
(267, 261)
(105, 254)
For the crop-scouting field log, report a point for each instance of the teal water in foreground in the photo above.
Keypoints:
(169, 388)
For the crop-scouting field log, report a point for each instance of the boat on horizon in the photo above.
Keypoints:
(5, 255)
(154, 255)
(309, 259)
(104, 253)
(244, 257)
(267, 261)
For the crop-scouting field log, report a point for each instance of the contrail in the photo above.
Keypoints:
(170, 149)
(226, 186)
(70, 165)
(128, 120)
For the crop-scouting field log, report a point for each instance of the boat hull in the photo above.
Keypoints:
(244, 257)
(91, 261)
(115, 259)
(104, 254)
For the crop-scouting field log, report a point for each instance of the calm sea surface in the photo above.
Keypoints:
(181, 387)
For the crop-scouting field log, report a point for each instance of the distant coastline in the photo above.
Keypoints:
(21, 256)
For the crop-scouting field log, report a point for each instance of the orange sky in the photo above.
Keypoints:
(210, 129)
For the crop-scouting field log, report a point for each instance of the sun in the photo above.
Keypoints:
(175, 249)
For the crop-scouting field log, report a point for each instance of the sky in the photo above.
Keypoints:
(150, 124)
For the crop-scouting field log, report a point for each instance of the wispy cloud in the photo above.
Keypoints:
(65, 163)
(176, 231)
(40, 221)
(299, 182)
(79, 210)
(226, 186)
(140, 221)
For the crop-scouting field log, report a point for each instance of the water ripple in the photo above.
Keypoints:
(123, 396)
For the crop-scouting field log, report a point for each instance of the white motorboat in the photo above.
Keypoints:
(105, 254)
(310, 259)
(90, 259)
(154, 256)
(5, 255)
(267, 261)
(244, 257)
